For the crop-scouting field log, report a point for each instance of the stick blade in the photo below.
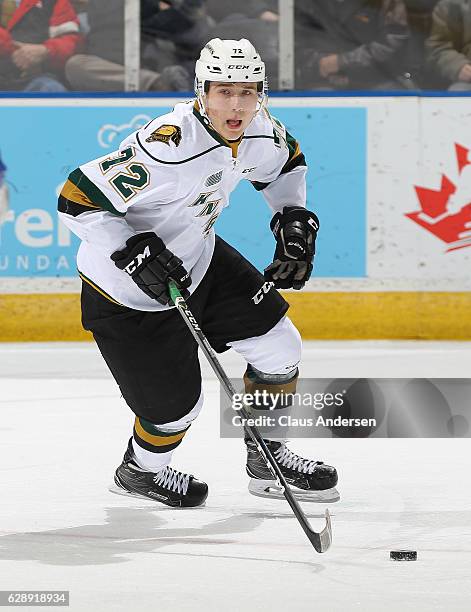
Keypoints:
(322, 540)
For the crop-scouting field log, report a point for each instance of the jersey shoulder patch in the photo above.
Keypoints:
(171, 138)
(166, 133)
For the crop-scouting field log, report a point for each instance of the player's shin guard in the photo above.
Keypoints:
(311, 480)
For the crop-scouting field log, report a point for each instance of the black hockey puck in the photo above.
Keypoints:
(403, 555)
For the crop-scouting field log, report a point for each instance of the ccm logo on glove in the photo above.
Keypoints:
(132, 267)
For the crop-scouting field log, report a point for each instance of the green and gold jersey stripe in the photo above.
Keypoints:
(98, 289)
(295, 158)
(91, 192)
(295, 155)
(74, 194)
(73, 208)
(73, 202)
(293, 146)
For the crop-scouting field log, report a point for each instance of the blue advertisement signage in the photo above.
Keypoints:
(40, 146)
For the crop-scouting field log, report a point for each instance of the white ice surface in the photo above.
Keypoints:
(64, 429)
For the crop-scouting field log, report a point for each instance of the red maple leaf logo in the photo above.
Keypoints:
(446, 213)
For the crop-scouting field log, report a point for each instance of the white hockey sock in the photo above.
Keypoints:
(152, 462)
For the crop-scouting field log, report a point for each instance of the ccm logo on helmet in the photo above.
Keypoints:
(238, 67)
(135, 263)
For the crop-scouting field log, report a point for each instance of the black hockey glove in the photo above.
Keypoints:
(150, 265)
(295, 231)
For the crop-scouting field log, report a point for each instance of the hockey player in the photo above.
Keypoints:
(145, 214)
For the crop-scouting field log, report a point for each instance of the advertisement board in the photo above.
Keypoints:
(389, 177)
(40, 145)
(420, 193)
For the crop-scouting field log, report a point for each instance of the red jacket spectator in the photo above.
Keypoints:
(50, 23)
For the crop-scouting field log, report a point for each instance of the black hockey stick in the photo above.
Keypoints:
(322, 540)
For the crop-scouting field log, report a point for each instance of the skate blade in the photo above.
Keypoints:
(269, 488)
(125, 493)
(119, 491)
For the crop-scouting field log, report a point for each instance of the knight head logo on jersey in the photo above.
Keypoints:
(166, 133)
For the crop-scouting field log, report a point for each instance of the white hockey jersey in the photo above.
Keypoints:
(173, 177)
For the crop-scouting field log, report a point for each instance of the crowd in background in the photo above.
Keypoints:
(78, 45)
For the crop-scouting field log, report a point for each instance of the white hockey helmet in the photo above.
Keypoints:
(230, 61)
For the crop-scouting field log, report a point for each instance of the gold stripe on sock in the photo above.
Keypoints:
(156, 440)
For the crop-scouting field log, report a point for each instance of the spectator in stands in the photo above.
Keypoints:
(419, 17)
(179, 27)
(351, 44)
(36, 39)
(162, 23)
(220, 10)
(448, 47)
(81, 7)
(256, 20)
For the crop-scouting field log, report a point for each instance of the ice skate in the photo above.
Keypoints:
(167, 486)
(309, 480)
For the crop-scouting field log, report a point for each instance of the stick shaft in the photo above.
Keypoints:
(321, 541)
